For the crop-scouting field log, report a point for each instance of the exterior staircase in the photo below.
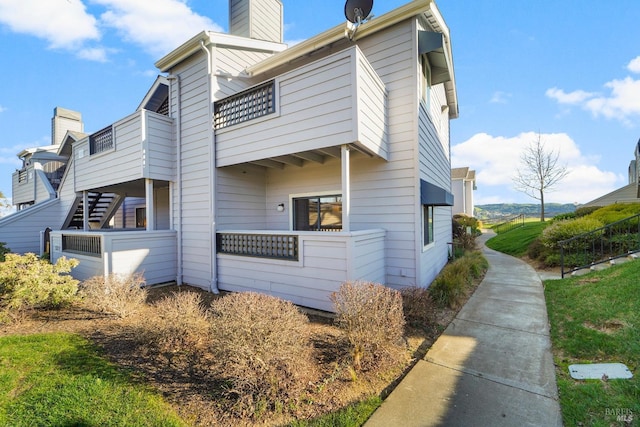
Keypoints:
(100, 208)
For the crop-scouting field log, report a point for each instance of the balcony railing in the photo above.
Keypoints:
(275, 246)
(249, 104)
(82, 244)
(101, 141)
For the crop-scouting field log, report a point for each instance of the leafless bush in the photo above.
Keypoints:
(121, 295)
(372, 318)
(179, 326)
(418, 306)
(263, 350)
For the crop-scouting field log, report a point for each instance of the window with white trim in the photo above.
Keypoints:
(318, 213)
(425, 80)
(427, 225)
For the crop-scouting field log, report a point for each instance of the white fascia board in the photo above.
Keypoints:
(193, 45)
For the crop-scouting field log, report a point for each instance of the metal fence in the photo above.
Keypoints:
(615, 240)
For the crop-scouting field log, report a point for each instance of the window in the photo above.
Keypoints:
(425, 80)
(317, 213)
(141, 217)
(427, 224)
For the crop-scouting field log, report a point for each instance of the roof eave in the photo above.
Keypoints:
(337, 33)
(194, 44)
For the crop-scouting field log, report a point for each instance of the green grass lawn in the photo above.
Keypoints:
(516, 242)
(61, 380)
(596, 319)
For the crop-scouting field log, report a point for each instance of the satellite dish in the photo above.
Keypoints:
(357, 11)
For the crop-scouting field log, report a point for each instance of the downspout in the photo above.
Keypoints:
(176, 79)
(212, 173)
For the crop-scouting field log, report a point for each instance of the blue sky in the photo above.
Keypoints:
(568, 70)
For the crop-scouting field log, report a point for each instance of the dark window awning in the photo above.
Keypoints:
(431, 194)
(432, 45)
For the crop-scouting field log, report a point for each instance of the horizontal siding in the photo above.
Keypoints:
(325, 264)
(314, 112)
(152, 254)
(160, 148)
(241, 198)
(23, 192)
(44, 190)
(21, 230)
(266, 23)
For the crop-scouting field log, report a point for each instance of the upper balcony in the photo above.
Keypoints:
(36, 183)
(139, 146)
(305, 113)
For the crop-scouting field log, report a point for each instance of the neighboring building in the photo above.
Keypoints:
(630, 193)
(463, 184)
(253, 166)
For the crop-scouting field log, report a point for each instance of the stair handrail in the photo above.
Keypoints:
(611, 255)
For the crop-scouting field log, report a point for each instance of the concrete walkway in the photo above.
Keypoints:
(492, 366)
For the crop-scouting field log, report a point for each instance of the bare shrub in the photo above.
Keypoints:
(371, 316)
(418, 306)
(121, 295)
(179, 326)
(27, 281)
(264, 352)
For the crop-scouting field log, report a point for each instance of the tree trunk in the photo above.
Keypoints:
(541, 206)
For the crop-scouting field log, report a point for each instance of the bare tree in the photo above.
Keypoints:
(539, 172)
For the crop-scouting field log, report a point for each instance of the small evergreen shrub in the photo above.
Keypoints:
(3, 250)
(586, 210)
(120, 295)
(179, 326)
(454, 279)
(263, 352)
(26, 282)
(372, 318)
(564, 230)
(615, 212)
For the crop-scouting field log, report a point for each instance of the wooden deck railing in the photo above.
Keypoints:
(82, 244)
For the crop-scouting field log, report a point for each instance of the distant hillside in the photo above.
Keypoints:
(501, 211)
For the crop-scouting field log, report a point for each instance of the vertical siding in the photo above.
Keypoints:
(194, 144)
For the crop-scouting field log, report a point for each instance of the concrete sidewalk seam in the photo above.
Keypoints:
(506, 328)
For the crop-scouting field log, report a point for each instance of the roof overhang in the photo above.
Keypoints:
(208, 38)
(426, 8)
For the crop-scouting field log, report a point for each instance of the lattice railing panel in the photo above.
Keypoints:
(276, 246)
(247, 105)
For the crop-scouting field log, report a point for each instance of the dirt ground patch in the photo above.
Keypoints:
(187, 384)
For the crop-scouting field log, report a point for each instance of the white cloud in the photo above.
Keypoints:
(97, 54)
(500, 97)
(622, 102)
(496, 159)
(63, 24)
(575, 97)
(157, 26)
(634, 65)
(2, 109)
